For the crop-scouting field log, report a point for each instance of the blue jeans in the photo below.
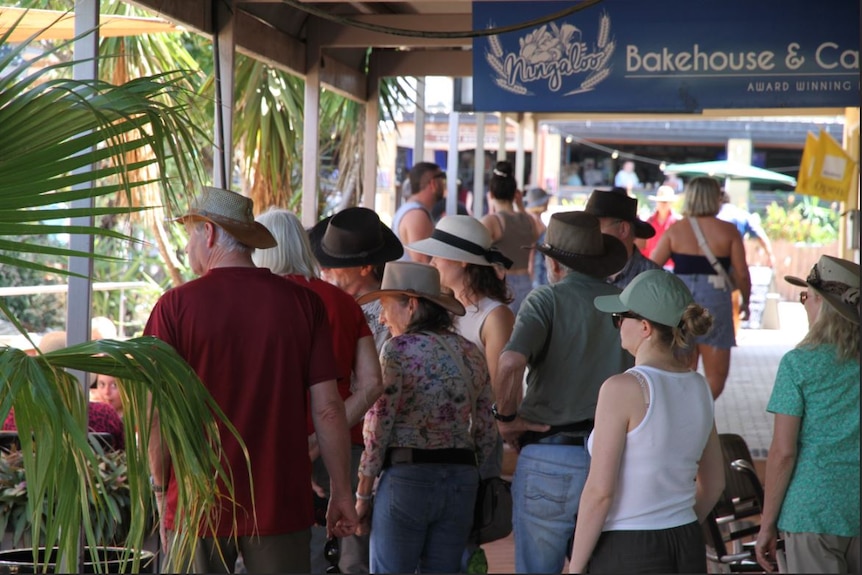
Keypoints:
(546, 492)
(422, 518)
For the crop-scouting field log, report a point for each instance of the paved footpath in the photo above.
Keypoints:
(741, 408)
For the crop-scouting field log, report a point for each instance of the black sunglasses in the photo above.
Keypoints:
(617, 318)
(332, 554)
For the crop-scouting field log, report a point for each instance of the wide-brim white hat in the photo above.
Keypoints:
(664, 194)
(461, 239)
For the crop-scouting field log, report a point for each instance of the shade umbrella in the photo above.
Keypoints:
(730, 170)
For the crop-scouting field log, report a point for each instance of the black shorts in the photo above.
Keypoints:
(675, 550)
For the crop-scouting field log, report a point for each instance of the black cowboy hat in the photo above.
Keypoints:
(354, 237)
(616, 203)
(575, 240)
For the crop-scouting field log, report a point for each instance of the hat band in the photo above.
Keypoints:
(354, 255)
(568, 254)
(493, 256)
(847, 293)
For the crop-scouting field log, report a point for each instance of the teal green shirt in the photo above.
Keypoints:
(823, 494)
(571, 349)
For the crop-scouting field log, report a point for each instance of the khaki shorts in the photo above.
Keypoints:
(821, 553)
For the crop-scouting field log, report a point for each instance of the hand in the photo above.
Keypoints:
(512, 431)
(341, 517)
(318, 490)
(744, 312)
(364, 510)
(765, 547)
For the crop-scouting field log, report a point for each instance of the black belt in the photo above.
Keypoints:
(568, 434)
(408, 455)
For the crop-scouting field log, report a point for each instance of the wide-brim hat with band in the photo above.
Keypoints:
(575, 239)
(414, 280)
(232, 212)
(616, 203)
(462, 239)
(837, 282)
(664, 194)
(354, 237)
(656, 295)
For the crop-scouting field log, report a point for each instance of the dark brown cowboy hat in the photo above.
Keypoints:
(233, 213)
(575, 240)
(354, 237)
(616, 203)
(414, 280)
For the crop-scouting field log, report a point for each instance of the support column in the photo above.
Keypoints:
(849, 223)
(739, 151)
(519, 153)
(79, 299)
(224, 52)
(372, 119)
(418, 126)
(452, 164)
(501, 138)
(311, 127)
(479, 167)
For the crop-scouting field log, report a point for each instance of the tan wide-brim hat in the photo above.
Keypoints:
(461, 239)
(837, 282)
(414, 280)
(575, 239)
(232, 212)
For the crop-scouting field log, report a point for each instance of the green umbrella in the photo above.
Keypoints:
(730, 170)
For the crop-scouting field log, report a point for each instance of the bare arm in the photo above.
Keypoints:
(710, 477)
(779, 468)
(495, 334)
(415, 226)
(509, 387)
(369, 381)
(740, 269)
(617, 399)
(160, 465)
(330, 421)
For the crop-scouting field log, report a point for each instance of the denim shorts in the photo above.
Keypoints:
(718, 302)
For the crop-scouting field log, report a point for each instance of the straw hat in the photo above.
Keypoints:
(233, 213)
(354, 237)
(664, 194)
(656, 295)
(414, 280)
(575, 239)
(837, 282)
(462, 239)
(617, 203)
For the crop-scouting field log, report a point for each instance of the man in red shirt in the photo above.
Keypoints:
(259, 343)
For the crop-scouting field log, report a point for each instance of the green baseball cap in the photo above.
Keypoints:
(656, 295)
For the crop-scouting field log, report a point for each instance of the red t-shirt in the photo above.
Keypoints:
(348, 326)
(101, 418)
(257, 341)
(660, 229)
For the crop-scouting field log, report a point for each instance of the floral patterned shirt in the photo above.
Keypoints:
(426, 403)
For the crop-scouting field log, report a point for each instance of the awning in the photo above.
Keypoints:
(59, 25)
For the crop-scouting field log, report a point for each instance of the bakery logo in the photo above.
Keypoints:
(552, 54)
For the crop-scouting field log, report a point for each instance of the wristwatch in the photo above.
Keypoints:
(500, 417)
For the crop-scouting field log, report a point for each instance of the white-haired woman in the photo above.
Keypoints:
(812, 470)
(354, 350)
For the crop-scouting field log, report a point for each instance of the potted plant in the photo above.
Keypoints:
(53, 128)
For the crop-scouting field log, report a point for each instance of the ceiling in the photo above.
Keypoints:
(298, 35)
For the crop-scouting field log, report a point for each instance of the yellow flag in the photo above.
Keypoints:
(832, 173)
(806, 166)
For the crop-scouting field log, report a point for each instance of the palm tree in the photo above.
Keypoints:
(53, 128)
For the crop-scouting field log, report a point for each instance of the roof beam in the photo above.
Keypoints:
(343, 79)
(340, 36)
(455, 63)
(259, 40)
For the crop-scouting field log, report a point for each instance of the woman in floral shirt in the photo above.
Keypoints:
(429, 431)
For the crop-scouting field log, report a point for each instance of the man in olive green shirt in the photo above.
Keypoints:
(571, 349)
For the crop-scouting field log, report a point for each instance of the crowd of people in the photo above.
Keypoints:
(376, 373)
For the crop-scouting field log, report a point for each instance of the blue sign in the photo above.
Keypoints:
(667, 56)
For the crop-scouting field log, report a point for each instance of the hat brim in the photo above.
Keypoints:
(447, 302)
(436, 248)
(390, 250)
(643, 230)
(610, 262)
(253, 235)
(609, 304)
(847, 310)
(663, 198)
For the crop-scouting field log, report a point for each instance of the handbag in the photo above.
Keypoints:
(719, 269)
(492, 514)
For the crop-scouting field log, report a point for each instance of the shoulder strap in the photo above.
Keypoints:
(643, 383)
(701, 241)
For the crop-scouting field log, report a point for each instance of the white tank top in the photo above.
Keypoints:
(470, 324)
(656, 483)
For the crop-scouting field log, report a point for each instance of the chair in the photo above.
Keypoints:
(731, 526)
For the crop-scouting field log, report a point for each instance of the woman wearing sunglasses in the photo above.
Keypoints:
(657, 467)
